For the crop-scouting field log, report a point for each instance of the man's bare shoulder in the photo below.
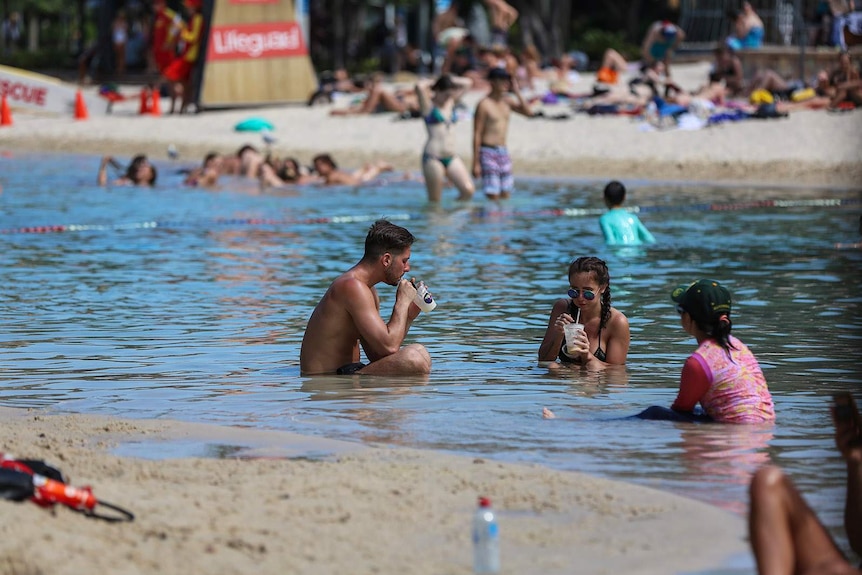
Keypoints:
(348, 282)
(483, 103)
(351, 285)
(343, 178)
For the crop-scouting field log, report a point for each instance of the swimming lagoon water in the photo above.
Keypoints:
(201, 317)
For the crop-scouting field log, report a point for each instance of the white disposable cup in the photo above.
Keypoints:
(571, 330)
(424, 299)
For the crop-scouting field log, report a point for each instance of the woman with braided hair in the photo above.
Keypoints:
(605, 337)
(722, 375)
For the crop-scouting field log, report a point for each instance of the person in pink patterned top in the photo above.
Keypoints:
(722, 375)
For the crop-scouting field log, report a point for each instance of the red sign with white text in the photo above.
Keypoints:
(255, 41)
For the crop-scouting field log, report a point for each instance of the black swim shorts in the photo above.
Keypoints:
(350, 368)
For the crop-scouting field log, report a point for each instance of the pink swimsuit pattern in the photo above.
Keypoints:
(737, 391)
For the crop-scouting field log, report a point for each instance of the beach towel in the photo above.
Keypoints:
(728, 116)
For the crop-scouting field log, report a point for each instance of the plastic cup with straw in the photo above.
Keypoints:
(571, 330)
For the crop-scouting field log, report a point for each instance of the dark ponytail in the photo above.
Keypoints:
(719, 330)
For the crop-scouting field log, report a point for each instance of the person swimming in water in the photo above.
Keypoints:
(439, 161)
(620, 226)
(722, 375)
(330, 175)
(605, 338)
(139, 173)
(206, 175)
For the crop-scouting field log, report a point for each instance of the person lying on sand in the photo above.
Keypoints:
(378, 100)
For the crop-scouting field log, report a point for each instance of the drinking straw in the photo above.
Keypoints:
(578, 319)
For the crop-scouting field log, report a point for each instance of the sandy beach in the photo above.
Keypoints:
(280, 503)
(290, 504)
(808, 149)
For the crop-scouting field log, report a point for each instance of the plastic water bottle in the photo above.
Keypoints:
(486, 539)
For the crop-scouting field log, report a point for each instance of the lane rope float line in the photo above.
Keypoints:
(481, 212)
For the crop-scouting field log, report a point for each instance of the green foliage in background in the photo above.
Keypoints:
(40, 6)
(594, 42)
(38, 60)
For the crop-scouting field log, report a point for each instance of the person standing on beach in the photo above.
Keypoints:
(605, 338)
(619, 226)
(166, 25)
(491, 158)
(502, 16)
(348, 314)
(439, 161)
(179, 71)
(662, 38)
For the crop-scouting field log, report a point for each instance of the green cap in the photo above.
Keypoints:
(704, 300)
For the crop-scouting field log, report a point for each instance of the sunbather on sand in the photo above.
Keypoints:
(378, 99)
(846, 82)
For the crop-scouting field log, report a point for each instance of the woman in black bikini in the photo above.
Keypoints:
(605, 338)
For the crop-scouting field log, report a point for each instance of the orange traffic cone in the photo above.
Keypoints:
(80, 107)
(156, 109)
(5, 113)
(145, 101)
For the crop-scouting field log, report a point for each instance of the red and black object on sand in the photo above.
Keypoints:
(44, 485)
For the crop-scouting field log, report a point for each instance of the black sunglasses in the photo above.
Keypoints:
(589, 295)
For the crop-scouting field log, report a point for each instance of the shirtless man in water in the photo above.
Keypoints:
(491, 159)
(349, 314)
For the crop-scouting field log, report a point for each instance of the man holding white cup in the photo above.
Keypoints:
(349, 314)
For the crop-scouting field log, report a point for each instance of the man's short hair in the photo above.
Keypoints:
(383, 237)
(326, 159)
(245, 149)
(615, 193)
(498, 74)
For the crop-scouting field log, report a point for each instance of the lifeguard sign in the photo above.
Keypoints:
(255, 53)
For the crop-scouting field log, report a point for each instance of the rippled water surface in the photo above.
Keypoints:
(201, 318)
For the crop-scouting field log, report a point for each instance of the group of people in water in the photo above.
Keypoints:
(491, 162)
(722, 376)
(721, 381)
(249, 163)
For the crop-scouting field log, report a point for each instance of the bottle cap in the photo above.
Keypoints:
(484, 502)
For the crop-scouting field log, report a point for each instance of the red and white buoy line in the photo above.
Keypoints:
(482, 212)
